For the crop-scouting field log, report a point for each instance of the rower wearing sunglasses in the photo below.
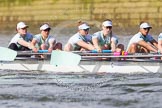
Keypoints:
(105, 39)
(44, 41)
(81, 40)
(142, 42)
(22, 39)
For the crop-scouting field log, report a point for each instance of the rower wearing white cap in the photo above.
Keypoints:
(105, 39)
(140, 41)
(21, 41)
(44, 41)
(160, 43)
(81, 40)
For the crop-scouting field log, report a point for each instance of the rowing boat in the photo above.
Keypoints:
(90, 63)
(85, 66)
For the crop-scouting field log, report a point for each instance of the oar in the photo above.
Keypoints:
(93, 51)
(30, 53)
(7, 54)
(42, 51)
(46, 52)
(103, 51)
(21, 53)
(125, 56)
(63, 58)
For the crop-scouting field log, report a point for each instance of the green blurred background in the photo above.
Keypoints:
(125, 14)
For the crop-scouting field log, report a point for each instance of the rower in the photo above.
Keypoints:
(106, 39)
(44, 41)
(160, 43)
(81, 40)
(142, 42)
(21, 41)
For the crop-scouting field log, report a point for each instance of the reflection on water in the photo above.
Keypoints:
(24, 89)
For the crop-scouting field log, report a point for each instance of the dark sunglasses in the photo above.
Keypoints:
(47, 29)
(108, 27)
(86, 29)
(24, 28)
(146, 29)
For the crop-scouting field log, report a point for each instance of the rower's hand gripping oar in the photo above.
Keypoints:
(42, 51)
(103, 51)
(7, 54)
(63, 58)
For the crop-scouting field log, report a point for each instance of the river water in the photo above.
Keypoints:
(23, 89)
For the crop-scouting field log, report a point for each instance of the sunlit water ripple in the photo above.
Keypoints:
(39, 89)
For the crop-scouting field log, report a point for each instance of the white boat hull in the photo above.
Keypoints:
(86, 67)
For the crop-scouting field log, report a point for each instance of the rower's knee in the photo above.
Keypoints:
(133, 48)
(121, 46)
(43, 46)
(58, 46)
(13, 46)
(68, 47)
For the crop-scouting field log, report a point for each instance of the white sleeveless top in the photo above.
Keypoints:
(107, 40)
(138, 37)
(160, 37)
(40, 41)
(28, 38)
(77, 37)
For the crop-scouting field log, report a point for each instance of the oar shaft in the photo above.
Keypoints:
(93, 51)
(42, 51)
(97, 54)
(93, 54)
(124, 56)
(103, 51)
(28, 53)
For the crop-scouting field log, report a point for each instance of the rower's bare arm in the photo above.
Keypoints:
(113, 46)
(160, 46)
(95, 43)
(32, 45)
(51, 45)
(68, 47)
(23, 42)
(155, 43)
(147, 46)
(85, 45)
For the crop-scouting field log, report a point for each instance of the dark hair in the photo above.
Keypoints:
(44, 23)
(107, 20)
(81, 22)
(143, 22)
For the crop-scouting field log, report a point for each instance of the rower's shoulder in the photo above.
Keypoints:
(97, 33)
(37, 35)
(160, 34)
(29, 34)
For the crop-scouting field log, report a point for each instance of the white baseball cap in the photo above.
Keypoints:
(145, 25)
(44, 27)
(107, 23)
(21, 25)
(83, 26)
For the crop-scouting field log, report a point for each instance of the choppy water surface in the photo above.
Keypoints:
(23, 89)
(48, 90)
